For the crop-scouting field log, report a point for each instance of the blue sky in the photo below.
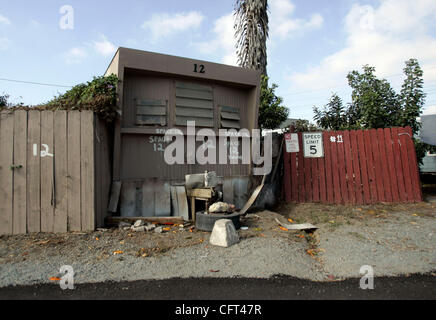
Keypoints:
(312, 46)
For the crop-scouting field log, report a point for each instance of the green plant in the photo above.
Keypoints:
(4, 101)
(99, 95)
(271, 111)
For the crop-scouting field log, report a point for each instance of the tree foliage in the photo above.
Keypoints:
(271, 111)
(302, 125)
(4, 101)
(99, 95)
(333, 115)
(375, 104)
(251, 31)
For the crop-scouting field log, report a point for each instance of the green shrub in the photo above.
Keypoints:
(99, 95)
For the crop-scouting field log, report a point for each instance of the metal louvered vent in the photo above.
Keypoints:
(229, 117)
(151, 112)
(194, 102)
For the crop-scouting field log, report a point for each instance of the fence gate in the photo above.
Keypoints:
(49, 180)
(357, 167)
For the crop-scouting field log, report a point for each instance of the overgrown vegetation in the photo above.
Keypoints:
(4, 101)
(375, 104)
(271, 111)
(99, 95)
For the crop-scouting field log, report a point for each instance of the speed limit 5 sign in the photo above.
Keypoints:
(313, 145)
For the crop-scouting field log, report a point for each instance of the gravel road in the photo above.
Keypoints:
(394, 244)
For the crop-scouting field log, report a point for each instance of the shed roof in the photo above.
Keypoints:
(179, 66)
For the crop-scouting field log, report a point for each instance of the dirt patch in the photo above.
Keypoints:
(337, 215)
(104, 244)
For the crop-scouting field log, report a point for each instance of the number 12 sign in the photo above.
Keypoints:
(313, 145)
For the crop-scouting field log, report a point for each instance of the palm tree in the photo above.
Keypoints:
(251, 31)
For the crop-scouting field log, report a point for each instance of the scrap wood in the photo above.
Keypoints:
(303, 226)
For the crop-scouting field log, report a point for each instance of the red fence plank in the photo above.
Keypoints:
(322, 188)
(403, 136)
(315, 180)
(328, 168)
(294, 177)
(370, 166)
(335, 169)
(300, 163)
(341, 166)
(387, 182)
(287, 175)
(398, 164)
(377, 166)
(391, 165)
(349, 168)
(307, 179)
(364, 167)
(358, 191)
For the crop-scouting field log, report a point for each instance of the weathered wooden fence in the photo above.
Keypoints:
(358, 167)
(49, 181)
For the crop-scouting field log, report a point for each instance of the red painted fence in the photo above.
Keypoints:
(358, 167)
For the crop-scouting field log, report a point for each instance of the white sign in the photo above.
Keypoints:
(313, 145)
(291, 140)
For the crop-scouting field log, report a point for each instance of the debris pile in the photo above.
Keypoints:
(142, 226)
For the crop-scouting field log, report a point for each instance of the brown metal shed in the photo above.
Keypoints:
(158, 92)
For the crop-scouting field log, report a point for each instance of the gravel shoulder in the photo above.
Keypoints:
(394, 240)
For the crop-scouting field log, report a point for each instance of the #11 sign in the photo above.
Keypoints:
(313, 145)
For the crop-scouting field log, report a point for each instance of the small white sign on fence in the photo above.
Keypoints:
(291, 140)
(313, 145)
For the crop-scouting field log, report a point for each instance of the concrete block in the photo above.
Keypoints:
(224, 234)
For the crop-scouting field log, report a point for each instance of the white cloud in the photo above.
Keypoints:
(4, 20)
(4, 43)
(384, 37)
(223, 41)
(283, 25)
(76, 55)
(104, 47)
(162, 25)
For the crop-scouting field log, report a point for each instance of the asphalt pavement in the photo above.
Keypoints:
(274, 288)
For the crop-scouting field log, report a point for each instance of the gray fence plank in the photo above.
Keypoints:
(87, 170)
(34, 171)
(47, 172)
(20, 176)
(162, 199)
(73, 180)
(61, 172)
(6, 174)
(128, 199)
